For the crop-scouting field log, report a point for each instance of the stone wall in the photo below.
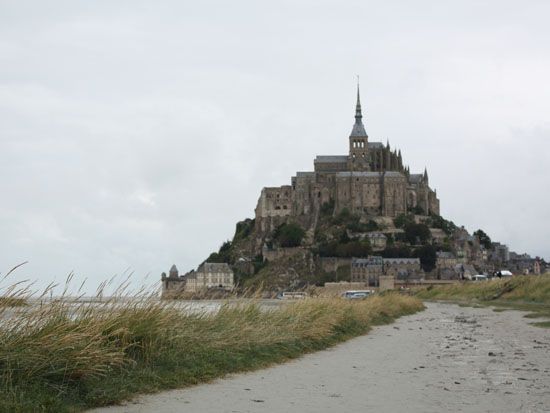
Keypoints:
(331, 264)
(387, 282)
(276, 253)
(337, 289)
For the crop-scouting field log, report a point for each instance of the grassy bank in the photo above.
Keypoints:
(58, 357)
(528, 293)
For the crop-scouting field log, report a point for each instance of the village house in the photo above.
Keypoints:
(208, 275)
(445, 260)
(369, 270)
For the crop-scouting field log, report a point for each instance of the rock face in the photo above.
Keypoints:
(370, 181)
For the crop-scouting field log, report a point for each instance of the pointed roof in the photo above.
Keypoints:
(358, 128)
(174, 271)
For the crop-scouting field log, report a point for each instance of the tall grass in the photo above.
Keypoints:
(62, 355)
(529, 288)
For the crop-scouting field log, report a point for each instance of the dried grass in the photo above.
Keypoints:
(102, 351)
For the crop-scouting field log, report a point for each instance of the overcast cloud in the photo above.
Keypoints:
(134, 135)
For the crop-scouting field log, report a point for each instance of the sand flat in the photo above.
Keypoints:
(445, 359)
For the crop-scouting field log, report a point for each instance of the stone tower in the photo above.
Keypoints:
(358, 141)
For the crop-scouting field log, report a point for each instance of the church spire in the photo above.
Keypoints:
(358, 114)
(358, 128)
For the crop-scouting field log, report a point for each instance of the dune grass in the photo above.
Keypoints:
(12, 302)
(61, 356)
(527, 293)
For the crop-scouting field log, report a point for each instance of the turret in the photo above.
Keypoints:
(399, 161)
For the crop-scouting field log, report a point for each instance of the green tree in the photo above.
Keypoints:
(418, 210)
(401, 220)
(396, 251)
(353, 249)
(223, 255)
(372, 226)
(428, 256)
(344, 217)
(484, 239)
(417, 233)
(437, 221)
(243, 229)
(289, 235)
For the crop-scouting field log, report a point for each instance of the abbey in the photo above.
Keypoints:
(370, 181)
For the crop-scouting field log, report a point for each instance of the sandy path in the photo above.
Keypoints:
(445, 359)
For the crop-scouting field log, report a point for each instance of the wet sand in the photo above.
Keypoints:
(445, 359)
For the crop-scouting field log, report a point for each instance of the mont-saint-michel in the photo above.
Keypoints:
(273, 207)
(356, 219)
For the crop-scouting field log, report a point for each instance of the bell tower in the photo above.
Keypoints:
(358, 141)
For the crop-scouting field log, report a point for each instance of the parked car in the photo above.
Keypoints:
(479, 277)
(357, 294)
(291, 295)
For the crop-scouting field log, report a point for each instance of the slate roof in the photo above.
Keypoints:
(374, 260)
(346, 174)
(415, 178)
(401, 260)
(331, 158)
(214, 267)
(358, 130)
(375, 145)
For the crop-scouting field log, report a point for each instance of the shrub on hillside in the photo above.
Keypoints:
(223, 255)
(289, 235)
(484, 239)
(437, 221)
(401, 220)
(427, 255)
(243, 229)
(417, 233)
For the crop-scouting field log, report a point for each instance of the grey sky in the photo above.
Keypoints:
(134, 135)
